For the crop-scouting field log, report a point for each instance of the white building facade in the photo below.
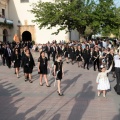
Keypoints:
(18, 11)
(6, 25)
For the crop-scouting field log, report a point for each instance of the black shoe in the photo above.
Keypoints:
(30, 81)
(87, 68)
(94, 69)
(15, 73)
(40, 84)
(48, 86)
(26, 80)
(60, 94)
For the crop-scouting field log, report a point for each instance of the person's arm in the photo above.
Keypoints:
(107, 71)
(38, 66)
(48, 65)
(54, 70)
(98, 77)
(63, 71)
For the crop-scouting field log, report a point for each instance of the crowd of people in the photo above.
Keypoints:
(104, 55)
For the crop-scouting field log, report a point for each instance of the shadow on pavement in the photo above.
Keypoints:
(117, 117)
(70, 82)
(81, 102)
(56, 117)
(10, 97)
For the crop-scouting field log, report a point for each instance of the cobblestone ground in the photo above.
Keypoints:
(21, 100)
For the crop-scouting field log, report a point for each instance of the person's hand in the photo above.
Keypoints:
(63, 74)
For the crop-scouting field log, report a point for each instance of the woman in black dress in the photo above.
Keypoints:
(72, 54)
(87, 56)
(58, 72)
(42, 68)
(66, 51)
(28, 64)
(16, 59)
(79, 57)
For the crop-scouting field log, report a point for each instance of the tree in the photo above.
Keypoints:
(107, 15)
(74, 14)
(77, 14)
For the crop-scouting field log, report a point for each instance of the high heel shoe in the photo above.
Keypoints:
(48, 86)
(60, 94)
(40, 84)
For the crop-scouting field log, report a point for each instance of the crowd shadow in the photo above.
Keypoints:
(56, 117)
(117, 117)
(8, 109)
(82, 100)
(70, 82)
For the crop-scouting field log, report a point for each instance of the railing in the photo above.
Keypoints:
(6, 22)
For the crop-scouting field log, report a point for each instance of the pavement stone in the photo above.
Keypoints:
(21, 100)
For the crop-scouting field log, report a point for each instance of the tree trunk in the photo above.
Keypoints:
(81, 31)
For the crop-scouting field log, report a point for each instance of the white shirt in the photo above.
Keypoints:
(9, 51)
(117, 61)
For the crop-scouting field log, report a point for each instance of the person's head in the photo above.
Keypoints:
(8, 46)
(102, 68)
(79, 47)
(16, 51)
(96, 48)
(87, 47)
(27, 51)
(111, 51)
(59, 57)
(42, 54)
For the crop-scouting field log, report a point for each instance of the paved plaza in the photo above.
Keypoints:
(20, 100)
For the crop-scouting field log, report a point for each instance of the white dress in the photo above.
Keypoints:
(103, 81)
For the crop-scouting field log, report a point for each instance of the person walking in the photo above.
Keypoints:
(28, 64)
(16, 59)
(117, 72)
(42, 68)
(58, 73)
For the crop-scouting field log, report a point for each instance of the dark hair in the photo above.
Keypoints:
(41, 52)
(59, 55)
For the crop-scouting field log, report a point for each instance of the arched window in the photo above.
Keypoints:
(5, 35)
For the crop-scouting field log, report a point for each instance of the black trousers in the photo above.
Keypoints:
(8, 61)
(117, 87)
(96, 62)
(86, 62)
(54, 57)
(3, 60)
(48, 55)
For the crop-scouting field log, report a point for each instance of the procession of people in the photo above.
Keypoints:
(103, 55)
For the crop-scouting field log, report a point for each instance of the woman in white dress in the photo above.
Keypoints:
(103, 81)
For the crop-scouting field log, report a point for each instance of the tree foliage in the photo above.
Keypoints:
(77, 14)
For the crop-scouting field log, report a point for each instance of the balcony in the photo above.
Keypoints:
(6, 23)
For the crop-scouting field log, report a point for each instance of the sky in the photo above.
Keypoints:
(117, 3)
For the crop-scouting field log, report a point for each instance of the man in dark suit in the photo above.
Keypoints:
(59, 50)
(3, 54)
(54, 51)
(48, 51)
(8, 55)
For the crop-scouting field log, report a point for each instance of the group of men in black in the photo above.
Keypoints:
(84, 53)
